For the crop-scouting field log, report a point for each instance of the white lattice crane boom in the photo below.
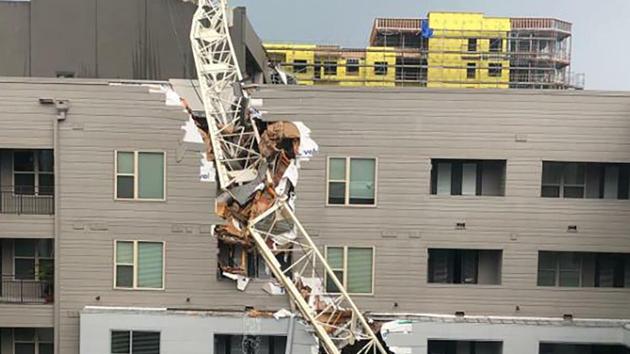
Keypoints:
(256, 164)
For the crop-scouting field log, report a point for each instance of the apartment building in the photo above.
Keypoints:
(445, 49)
(483, 221)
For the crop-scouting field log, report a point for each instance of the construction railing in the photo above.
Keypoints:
(27, 200)
(25, 291)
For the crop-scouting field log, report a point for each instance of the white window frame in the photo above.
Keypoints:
(111, 332)
(135, 175)
(135, 265)
(344, 281)
(36, 341)
(347, 182)
(36, 173)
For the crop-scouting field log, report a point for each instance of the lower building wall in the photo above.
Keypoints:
(187, 332)
(516, 338)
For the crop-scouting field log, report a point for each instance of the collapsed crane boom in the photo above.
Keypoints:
(256, 164)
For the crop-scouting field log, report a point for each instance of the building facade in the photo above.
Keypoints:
(445, 49)
(463, 221)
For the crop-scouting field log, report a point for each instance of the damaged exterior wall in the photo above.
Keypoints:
(404, 128)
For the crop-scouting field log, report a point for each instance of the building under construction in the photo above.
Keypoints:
(446, 49)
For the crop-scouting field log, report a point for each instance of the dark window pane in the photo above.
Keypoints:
(336, 193)
(330, 284)
(120, 342)
(46, 184)
(551, 191)
(380, 68)
(45, 161)
(124, 276)
(25, 183)
(24, 334)
(125, 187)
(45, 348)
(24, 248)
(145, 343)
(25, 268)
(23, 161)
(574, 192)
(24, 348)
(546, 277)
(300, 66)
(45, 248)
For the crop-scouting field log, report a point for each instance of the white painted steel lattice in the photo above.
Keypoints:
(256, 165)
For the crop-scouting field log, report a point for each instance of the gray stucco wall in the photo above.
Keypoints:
(15, 38)
(185, 333)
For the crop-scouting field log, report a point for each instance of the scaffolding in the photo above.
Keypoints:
(532, 53)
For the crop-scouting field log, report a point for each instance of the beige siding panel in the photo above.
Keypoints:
(27, 315)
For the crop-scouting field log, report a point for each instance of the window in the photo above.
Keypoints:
(496, 45)
(135, 342)
(139, 265)
(459, 266)
(380, 68)
(33, 259)
(585, 180)
(563, 179)
(317, 70)
(140, 175)
(471, 71)
(330, 67)
(468, 177)
(352, 66)
(495, 69)
(33, 341)
(564, 348)
(354, 267)
(249, 344)
(584, 269)
(300, 66)
(463, 347)
(472, 44)
(33, 172)
(351, 181)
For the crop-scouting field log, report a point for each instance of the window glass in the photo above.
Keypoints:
(360, 270)
(124, 252)
(150, 264)
(45, 160)
(337, 193)
(25, 248)
(552, 172)
(24, 183)
(45, 248)
(569, 269)
(24, 334)
(574, 173)
(24, 348)
(145, 343)
(24, 161)
(335, 260)
(46, 184)
(124, 276)
(125, 162)
(121, 342)
(151, 175)
(362, 181)
(125, 187)
(337, 169)
(45, 334)
(45, 348)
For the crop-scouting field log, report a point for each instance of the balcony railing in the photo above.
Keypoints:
(27, 200)
(25, 291)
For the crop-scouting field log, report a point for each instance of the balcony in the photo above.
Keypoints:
(27, 200)
(25, 291)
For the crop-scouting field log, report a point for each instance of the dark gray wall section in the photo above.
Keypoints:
(14, 38)
(132, 39)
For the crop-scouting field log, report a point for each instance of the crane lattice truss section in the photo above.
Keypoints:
(256, 164)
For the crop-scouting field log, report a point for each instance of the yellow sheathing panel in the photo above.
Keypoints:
(449, 55)
(378, 57)
(293, 52)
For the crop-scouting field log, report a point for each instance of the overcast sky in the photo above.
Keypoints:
(601, 29)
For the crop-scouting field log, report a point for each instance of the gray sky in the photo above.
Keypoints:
(601, 29)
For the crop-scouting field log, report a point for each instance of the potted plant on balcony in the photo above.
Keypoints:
(45, 274)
